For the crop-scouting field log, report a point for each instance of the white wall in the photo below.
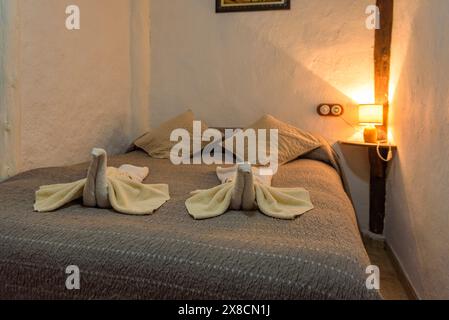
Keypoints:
(78, 89)
(140, 66)
(417, 226)
(9, 85)
(232, 68)
(75, 84)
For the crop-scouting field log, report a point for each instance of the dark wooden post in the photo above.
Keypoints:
(378, 176)
(382, 53)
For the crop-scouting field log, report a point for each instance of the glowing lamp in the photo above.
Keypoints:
(371, 115)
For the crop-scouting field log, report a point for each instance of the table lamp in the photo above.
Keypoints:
(371, 115)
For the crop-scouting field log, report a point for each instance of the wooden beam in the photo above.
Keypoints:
(382, 53)
(377, 189)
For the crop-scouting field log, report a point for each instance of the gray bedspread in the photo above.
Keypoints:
(169, 255)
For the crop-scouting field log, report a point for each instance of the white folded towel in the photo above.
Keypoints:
(95, 193)
(243, 189)
(137, 174)
(89, 194)
(101, 180)
(229, 174)
(244, 194)
(119, 188)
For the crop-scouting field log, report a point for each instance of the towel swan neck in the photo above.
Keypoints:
(101, 183)
(95, 193)
(244, 193)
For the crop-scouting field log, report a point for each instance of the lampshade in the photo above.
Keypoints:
(371, 114)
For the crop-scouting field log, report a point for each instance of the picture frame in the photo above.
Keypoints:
(223, 6)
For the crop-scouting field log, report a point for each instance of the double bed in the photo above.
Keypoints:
(169, 255)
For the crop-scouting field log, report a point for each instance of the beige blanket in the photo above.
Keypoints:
(246, 193)
(105, 187)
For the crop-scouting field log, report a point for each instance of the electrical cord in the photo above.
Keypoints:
(389, 155)
(390, 150)
(348, 123)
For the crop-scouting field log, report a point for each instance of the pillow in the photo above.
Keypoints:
(292, 142)
(157, 141)
(325, 153)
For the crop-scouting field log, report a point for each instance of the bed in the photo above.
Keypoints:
(168, 255)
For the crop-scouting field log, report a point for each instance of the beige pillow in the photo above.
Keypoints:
(292, 142)
(157, 141)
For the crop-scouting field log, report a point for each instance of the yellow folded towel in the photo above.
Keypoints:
(89, 194)
(240, 193)
(244, 193)
(105, 187)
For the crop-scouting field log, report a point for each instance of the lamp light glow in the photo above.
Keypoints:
(371, 114)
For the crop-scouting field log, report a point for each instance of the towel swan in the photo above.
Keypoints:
(242, 190)
(106, 187)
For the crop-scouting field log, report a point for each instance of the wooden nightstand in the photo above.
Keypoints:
(378, 177)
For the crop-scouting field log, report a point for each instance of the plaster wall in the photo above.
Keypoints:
(417, 211)
(75, 85)
(230, 69)
(9, 85)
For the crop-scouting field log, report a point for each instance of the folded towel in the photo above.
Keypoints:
(101, 180)
(137, 174)
(244, 192)
(229, 173)
(106, 187)
(89, 194)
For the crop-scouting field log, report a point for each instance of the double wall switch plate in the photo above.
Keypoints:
(330, 110)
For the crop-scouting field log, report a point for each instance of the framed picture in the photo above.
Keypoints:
(251, 5)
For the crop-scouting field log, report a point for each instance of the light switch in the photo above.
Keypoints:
(330, 110)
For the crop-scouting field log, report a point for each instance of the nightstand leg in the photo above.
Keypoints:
(378, 173)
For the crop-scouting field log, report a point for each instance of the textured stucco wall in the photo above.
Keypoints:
(140, 66)
(9, 98)
(232, 68)
(4, 28)
(75, 85)
(418, 187)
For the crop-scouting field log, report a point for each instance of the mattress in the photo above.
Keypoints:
(168, 255)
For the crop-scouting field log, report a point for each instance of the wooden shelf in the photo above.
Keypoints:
(364, 144)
